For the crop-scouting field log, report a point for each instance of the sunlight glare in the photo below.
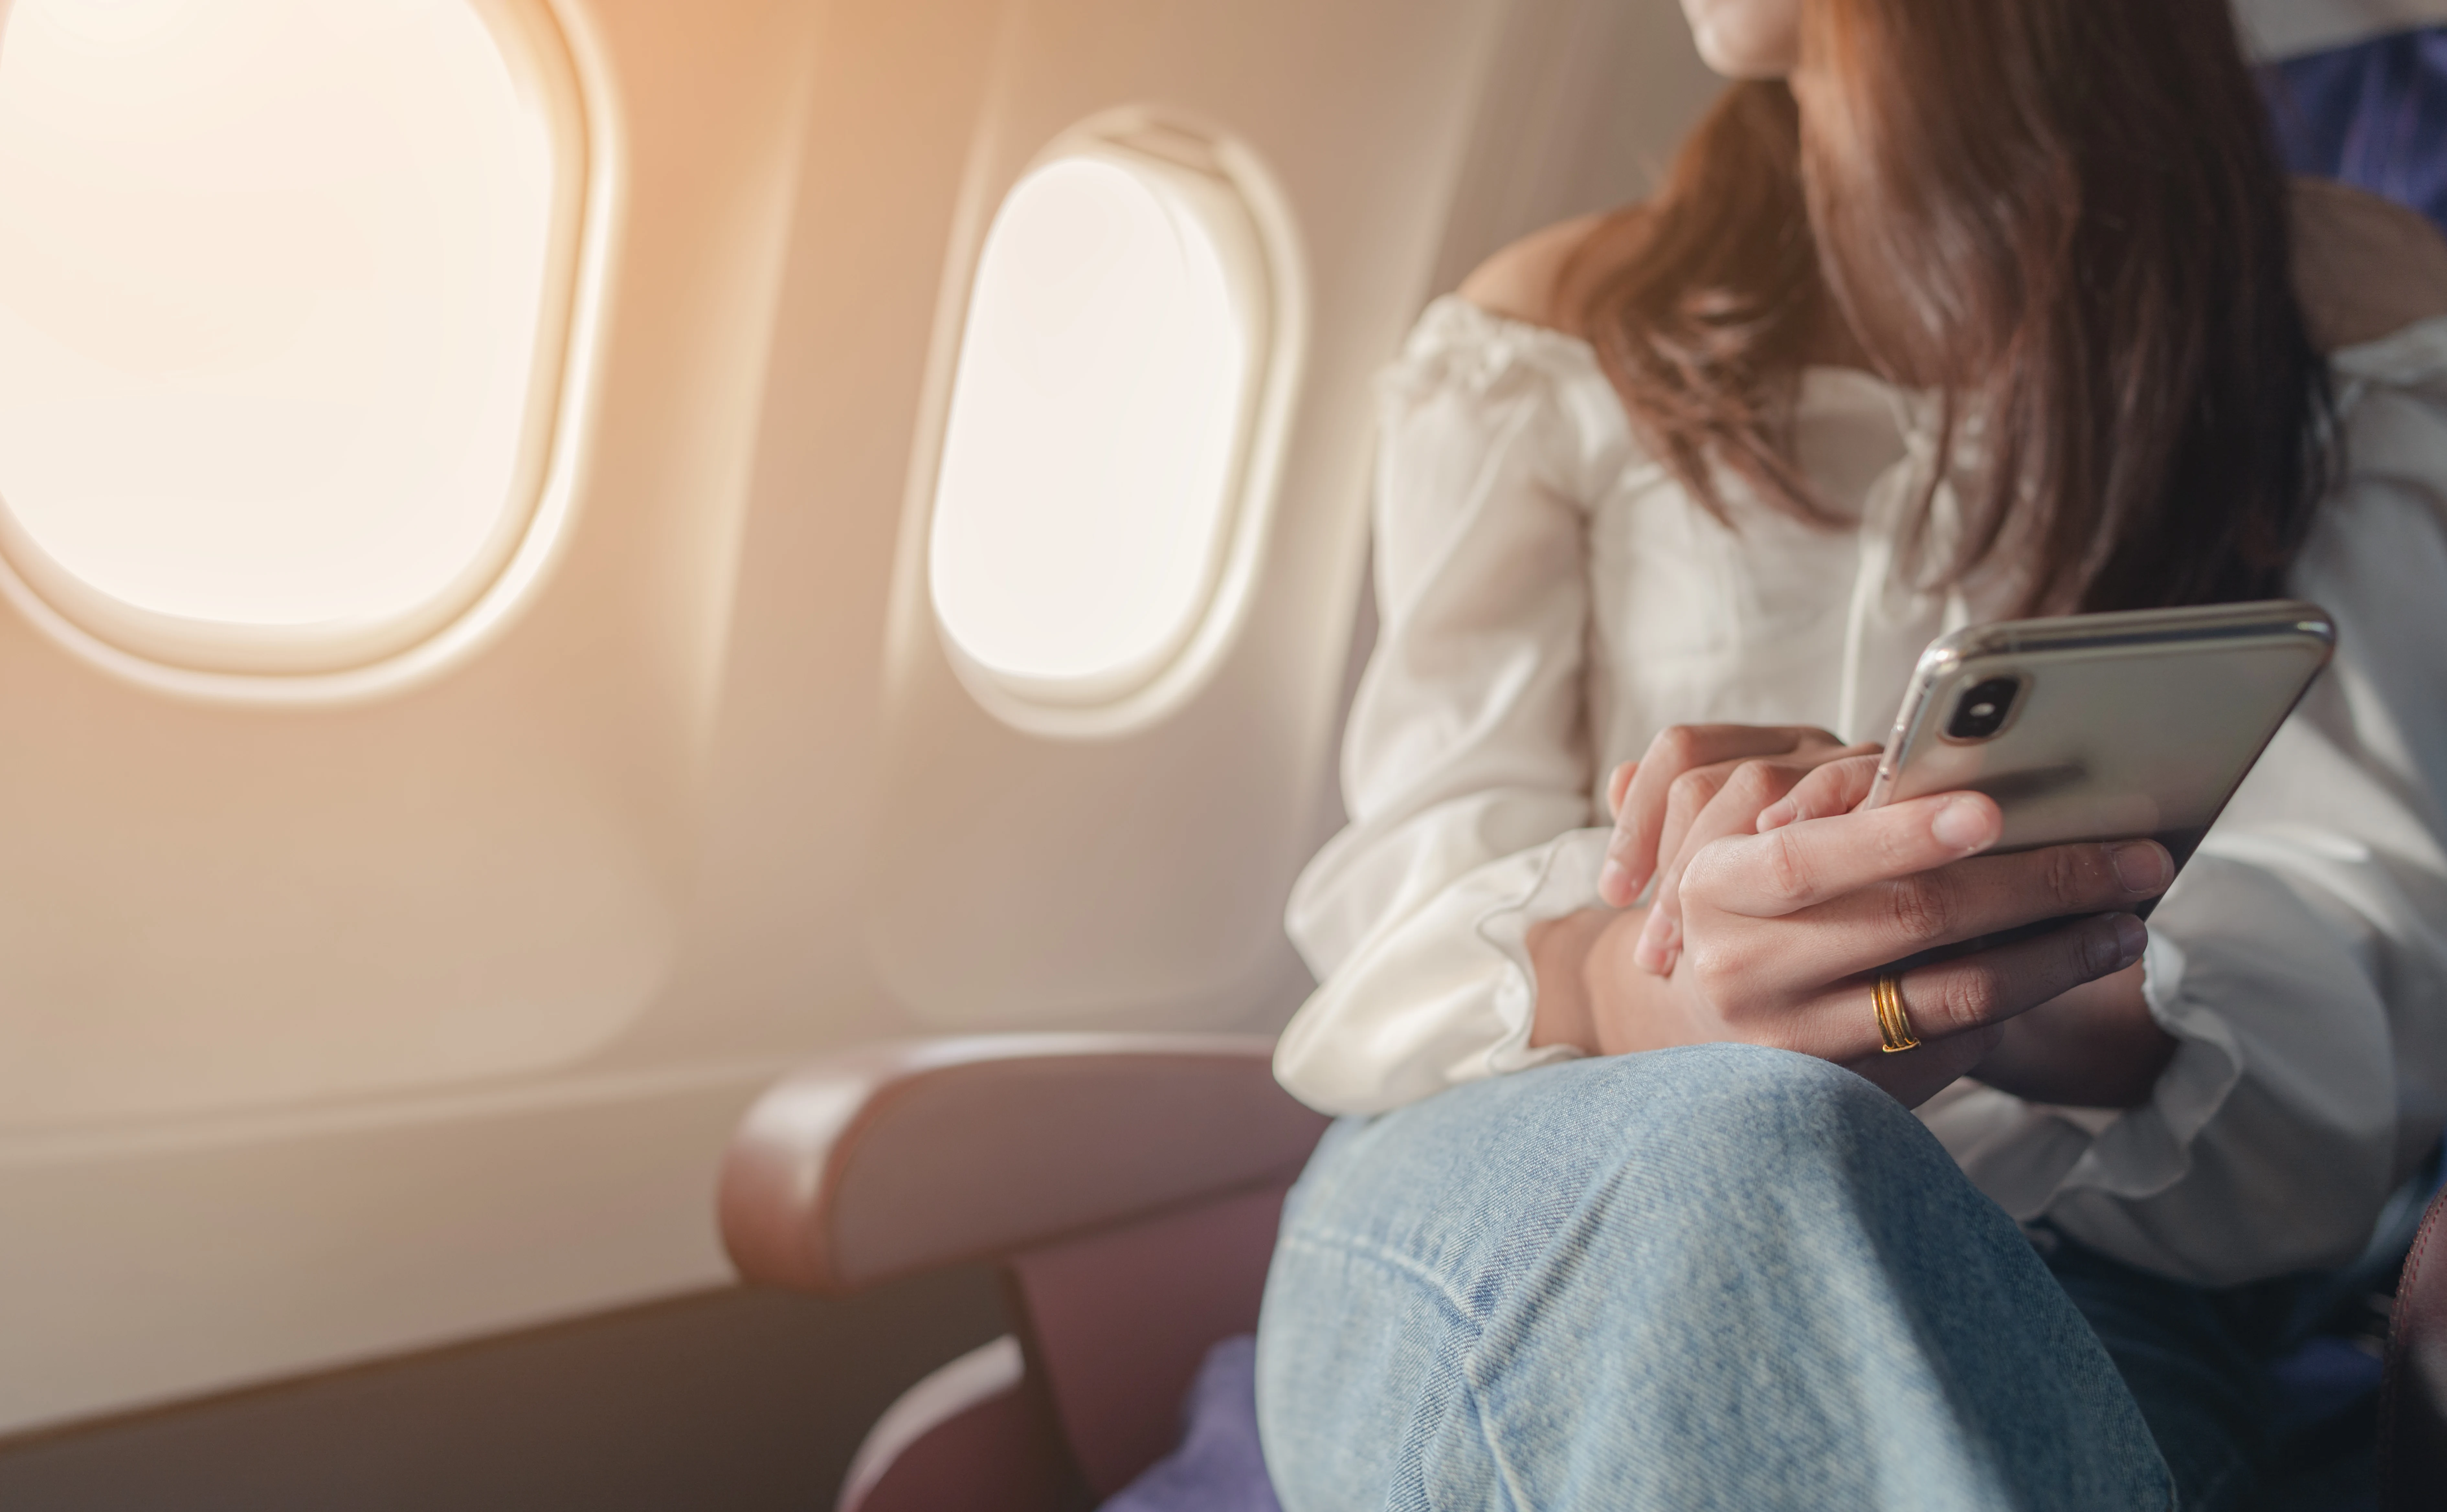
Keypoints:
(271, 280)
(1090, 451)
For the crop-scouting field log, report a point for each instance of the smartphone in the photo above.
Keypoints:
(2104, 726)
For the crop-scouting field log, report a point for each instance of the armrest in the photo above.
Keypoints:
(894, 1158)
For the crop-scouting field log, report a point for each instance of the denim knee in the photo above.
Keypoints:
(1719, 1274)
(1705, 1131)
(1759, 1120)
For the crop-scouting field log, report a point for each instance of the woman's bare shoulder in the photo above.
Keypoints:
(2364, 267)
(1524, 280)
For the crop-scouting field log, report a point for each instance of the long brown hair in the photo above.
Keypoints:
(2066, 215)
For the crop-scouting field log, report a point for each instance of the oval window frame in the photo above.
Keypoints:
(1248, 219)
(557, 75)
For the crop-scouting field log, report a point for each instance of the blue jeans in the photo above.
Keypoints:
(1718, 1277)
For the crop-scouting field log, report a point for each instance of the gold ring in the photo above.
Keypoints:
(1894, 1025)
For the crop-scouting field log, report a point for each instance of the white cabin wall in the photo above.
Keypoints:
(1024, 880)
(777, 959)
(1585, 104)
(336, 1032)
(304, 1008)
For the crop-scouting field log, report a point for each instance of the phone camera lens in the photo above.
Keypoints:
(1982, 710)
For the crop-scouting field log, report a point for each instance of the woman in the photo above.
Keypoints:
(1948, 312)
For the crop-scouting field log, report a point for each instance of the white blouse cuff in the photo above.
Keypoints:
(2030, 1156)
(2141, 1152)
(1443, 997)
(1566, 882)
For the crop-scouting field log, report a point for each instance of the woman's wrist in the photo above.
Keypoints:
(1590, 994)
(1561, 954)
(2094, 1047)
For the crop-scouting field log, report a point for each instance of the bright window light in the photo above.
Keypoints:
(275, 278)
(1098, 420)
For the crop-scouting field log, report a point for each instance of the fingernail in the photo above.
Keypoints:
(1963, 824)
(2141, 866)
(1775, 815)
(2132, 939)
(1614, 883)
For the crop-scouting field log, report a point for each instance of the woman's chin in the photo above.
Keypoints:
(1746, 39)
(1737, 56)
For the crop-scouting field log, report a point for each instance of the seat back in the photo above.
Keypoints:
(2413, 1393)
(1115, 1324)
(1128, 1186)
(1119, 1321)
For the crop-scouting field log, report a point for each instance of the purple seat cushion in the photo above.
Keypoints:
(1216, 1466)
(2373, 114)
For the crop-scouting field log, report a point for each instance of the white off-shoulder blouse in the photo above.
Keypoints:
(1549, 599)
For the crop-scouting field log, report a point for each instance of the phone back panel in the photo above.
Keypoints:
(2124, 725)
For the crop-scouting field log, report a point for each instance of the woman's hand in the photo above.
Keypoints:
(2094, 1046)
(1783, 934)
(1696, 783)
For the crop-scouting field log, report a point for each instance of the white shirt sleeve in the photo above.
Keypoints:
(1466, 767)
(2301, 960)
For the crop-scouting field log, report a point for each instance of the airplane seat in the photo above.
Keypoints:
(2413, 1395)
(1128, 1186)
(2372, 113)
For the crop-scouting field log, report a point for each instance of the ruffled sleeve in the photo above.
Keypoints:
(2301, 960)
(1466, 767)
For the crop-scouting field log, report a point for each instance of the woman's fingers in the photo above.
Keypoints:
(1732, 807)
(1950, 999)
(1693, 794)
(1618, 783)
(1986, 896)
(1738, 797)
(1915, 1076)
(1834, 789)
(1640, 819)
(1634, 853)
(1904, 916)
(1800, 867)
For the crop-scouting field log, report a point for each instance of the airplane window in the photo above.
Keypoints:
(278, 348)
(1100, 421)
